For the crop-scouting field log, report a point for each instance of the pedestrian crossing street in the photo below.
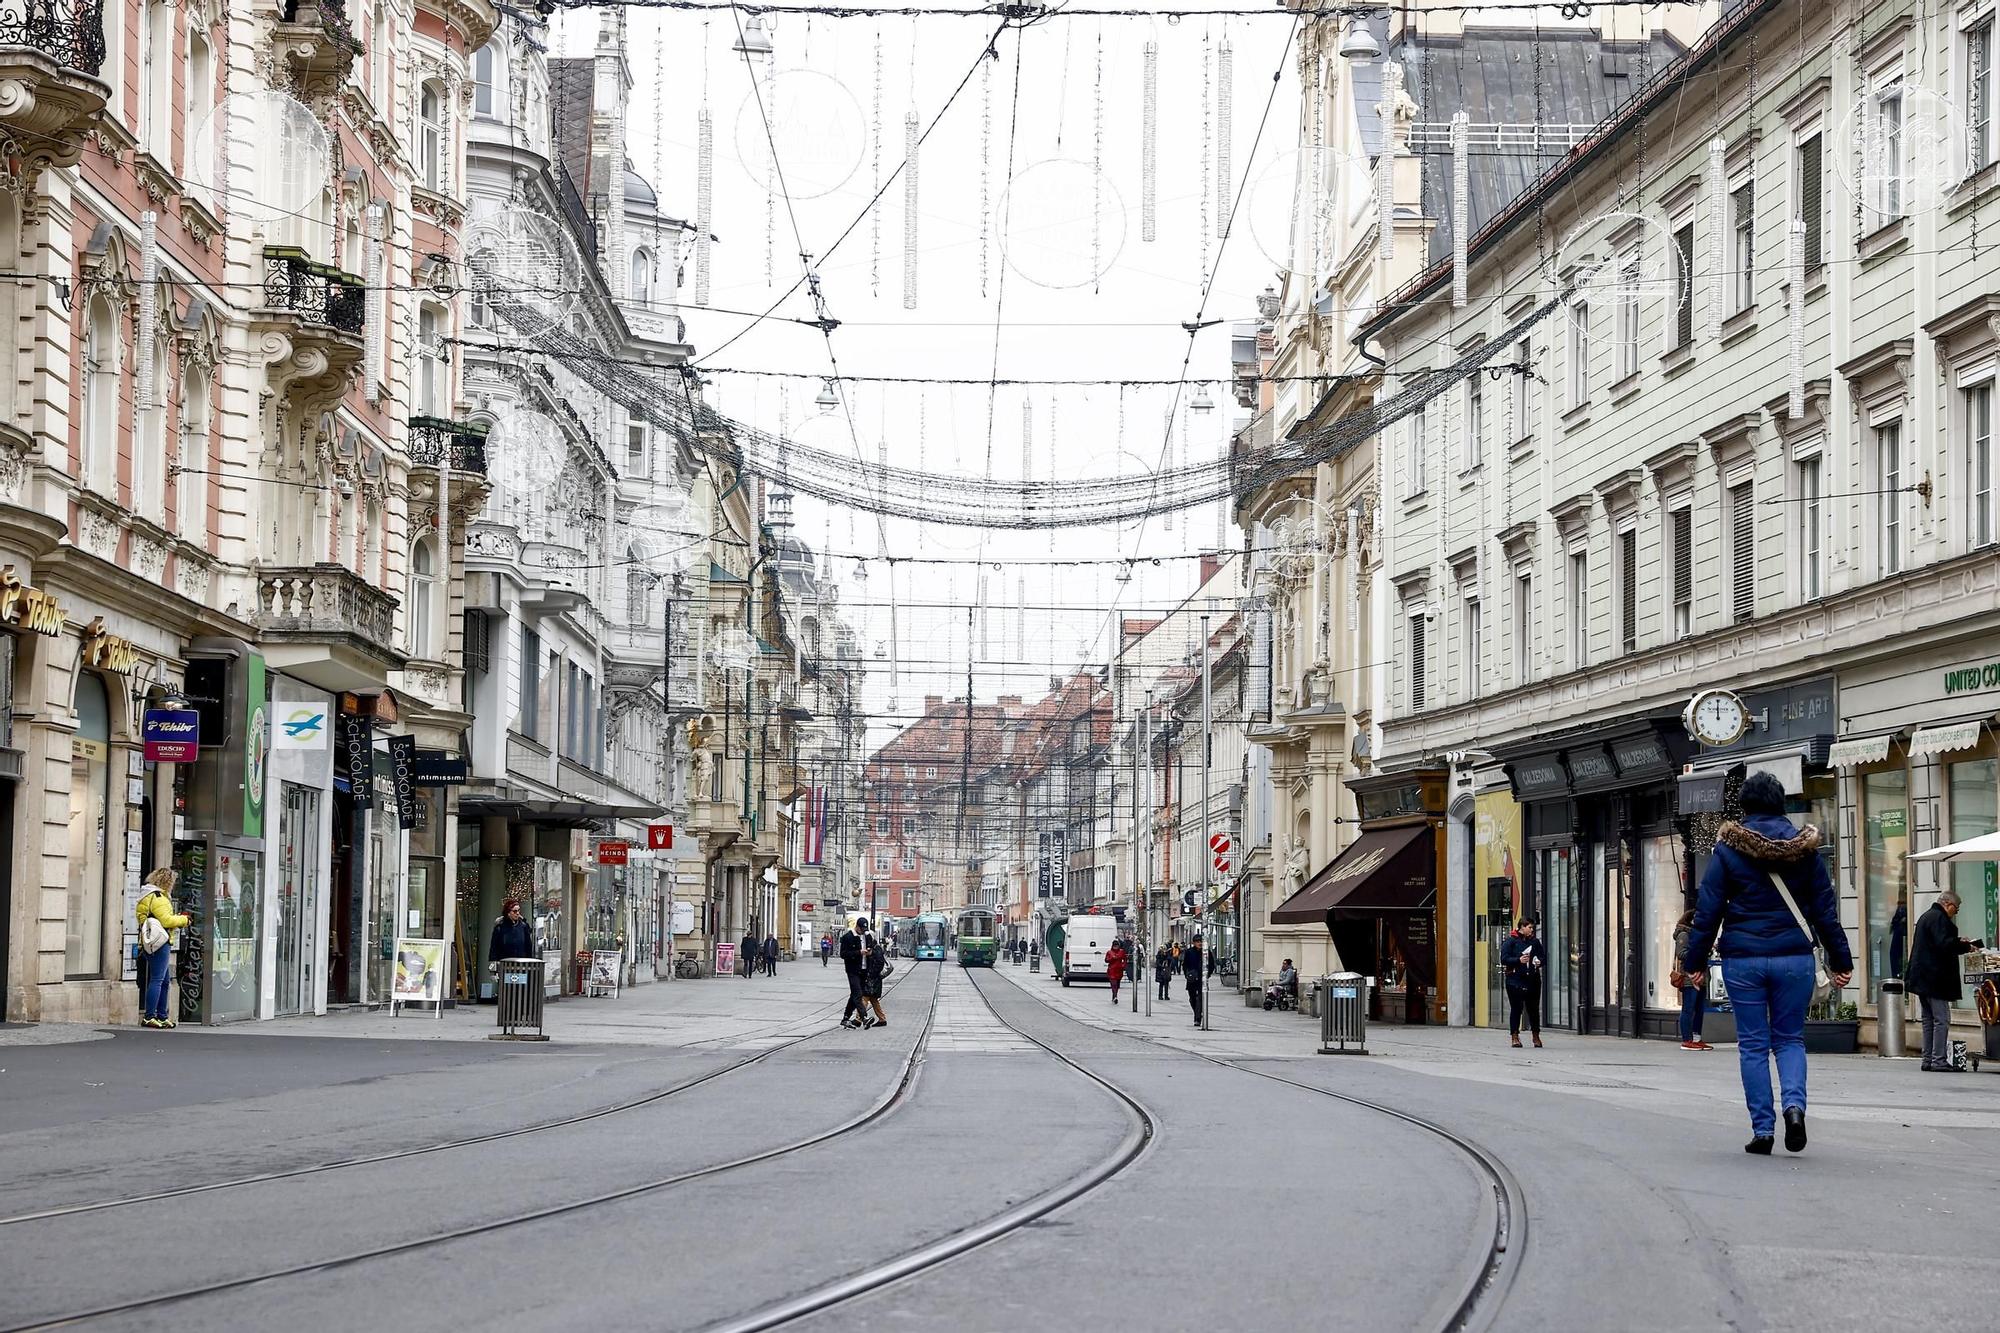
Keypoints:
(964, 1022)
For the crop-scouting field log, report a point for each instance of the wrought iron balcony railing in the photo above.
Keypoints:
(318, 293)
(69, 32)
(430, 437)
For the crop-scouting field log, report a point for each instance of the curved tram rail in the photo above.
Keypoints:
(888, 1102)
(292, 1173)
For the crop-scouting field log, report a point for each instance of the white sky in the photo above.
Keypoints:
(1128, 328)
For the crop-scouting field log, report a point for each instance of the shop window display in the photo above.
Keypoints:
(1666, 901)
(1885, 845)
(84, 926)
(1973, 790)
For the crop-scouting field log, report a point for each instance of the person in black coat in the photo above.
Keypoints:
(512, 937)
(1191, 969)
(1933, 977)
(1524, 961)
(854, 959)
(770, 955)
(749, 950)
(1163, 968)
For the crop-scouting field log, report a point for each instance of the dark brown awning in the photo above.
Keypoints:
(1385, 870)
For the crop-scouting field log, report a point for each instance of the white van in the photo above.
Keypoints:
(1086, 939)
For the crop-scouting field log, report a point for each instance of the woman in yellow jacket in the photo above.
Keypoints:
(157, 905)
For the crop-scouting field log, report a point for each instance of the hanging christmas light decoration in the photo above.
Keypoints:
(875, 169)
(771, 176)
(1207, 146)
(149, 304)
(1385, 162)
(1318, 194)
(1461, 132)
(985, 172)
(1020, 618)
(1718, 204)
(1225, 115)
(1149, 140)
(377, 296)
(1055, 449)
(1166, 457)
(1795, 301)
(1354, 563)
(704, 205)
(1097, 168)
(910, 210)
(1027, 455)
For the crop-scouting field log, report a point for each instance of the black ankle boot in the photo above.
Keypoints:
(1795, 1129)
(1761, 1146)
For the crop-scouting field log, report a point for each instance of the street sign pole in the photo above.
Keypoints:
(1207, 754)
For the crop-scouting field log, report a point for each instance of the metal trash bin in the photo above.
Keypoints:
(520, 1000)
(1889, 1021)
(1343, 1014)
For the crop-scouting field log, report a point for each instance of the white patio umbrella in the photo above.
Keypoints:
(1985, 847)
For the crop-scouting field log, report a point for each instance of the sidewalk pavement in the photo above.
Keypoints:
(1656, 1076)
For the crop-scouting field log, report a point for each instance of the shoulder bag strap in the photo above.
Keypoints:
(1785, 893)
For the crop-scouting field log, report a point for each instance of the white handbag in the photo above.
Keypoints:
(1822, 982)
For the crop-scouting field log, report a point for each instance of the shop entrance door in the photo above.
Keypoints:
(1562, 930)
(299, 891)
(6, 882)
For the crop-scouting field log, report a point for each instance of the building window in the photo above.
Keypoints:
(1419, 442)
(99, 428)
(482, 81)
(1524, 626)
(883, 860)
(1979, 462)
(1743, 243)
(430, 137)
(531, 683)
(1627, 314)
(1680, 541)
(156, 74)
(1628, 590)
(1578, 359)
(1885, 813)
(1475, 419)
(635, 450)
(191, 482)
(882, 825)
(909, 858)
(423, 592)
(1418, 662)
(641, 290)
(1976, 47)
(94, 846)
(1810, 543)
(930, 772)
(1889, 479)
(909, 826)
(200, 82)
(1683, 325)
(1882, 154)
(1742, 552)
(1579, 610)
(1809, 166)
(430, 361)
(1468, 649)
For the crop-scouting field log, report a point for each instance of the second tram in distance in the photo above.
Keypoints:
(977, 942)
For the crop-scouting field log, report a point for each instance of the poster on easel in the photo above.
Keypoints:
(419, 974)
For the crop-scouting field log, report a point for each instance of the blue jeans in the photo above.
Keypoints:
(1691, 1002)
(1770, 997)
(154, 969)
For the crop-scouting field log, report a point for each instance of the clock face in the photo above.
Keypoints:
(1716, 717)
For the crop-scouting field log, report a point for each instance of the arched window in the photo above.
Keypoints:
(484, 102)
(430, 137)
(191, 486)
(156, 76)
(371, 537)
(92, 843)
(99, 440)
(642, 275)
(423, 597)
(430, 362)
(200, 83)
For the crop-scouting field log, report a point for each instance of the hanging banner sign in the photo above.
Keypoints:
(437, 768)
(402, 762)
(357, 738)
(613, 852)
(299, 727)
(171, 735)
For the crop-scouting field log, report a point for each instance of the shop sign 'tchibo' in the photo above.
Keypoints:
(30, 608)
(106, 651)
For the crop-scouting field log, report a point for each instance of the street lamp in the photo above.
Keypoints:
(755, 41)
(1357, 40)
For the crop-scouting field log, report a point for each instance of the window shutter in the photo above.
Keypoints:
(1628, 590)
(1809, 201)
(1683, 557)
(476, 649)
(1417, 661)
(1744, 555)
(1684, 306)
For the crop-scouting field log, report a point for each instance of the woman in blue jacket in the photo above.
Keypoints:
(1767, 959)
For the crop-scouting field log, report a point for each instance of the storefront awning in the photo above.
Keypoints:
(1385, 870)
(1945, 738)
(553, 814)
(1858, 750)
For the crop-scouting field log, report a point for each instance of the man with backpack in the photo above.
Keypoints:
(854, 958)
(157, 918)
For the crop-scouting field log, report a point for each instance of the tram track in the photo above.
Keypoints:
(897, 1094)
(424, 1150)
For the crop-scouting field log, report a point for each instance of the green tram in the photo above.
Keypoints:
(978, 941)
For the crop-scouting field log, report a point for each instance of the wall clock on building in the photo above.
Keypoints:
(1716, 717)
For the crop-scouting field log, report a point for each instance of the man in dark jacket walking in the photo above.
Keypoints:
(747, 947)
(1163, 969)
(1933, 977)
(770, 955)
(1524, 961)
(1765, 879)
(854, 958)
(1191, 969)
